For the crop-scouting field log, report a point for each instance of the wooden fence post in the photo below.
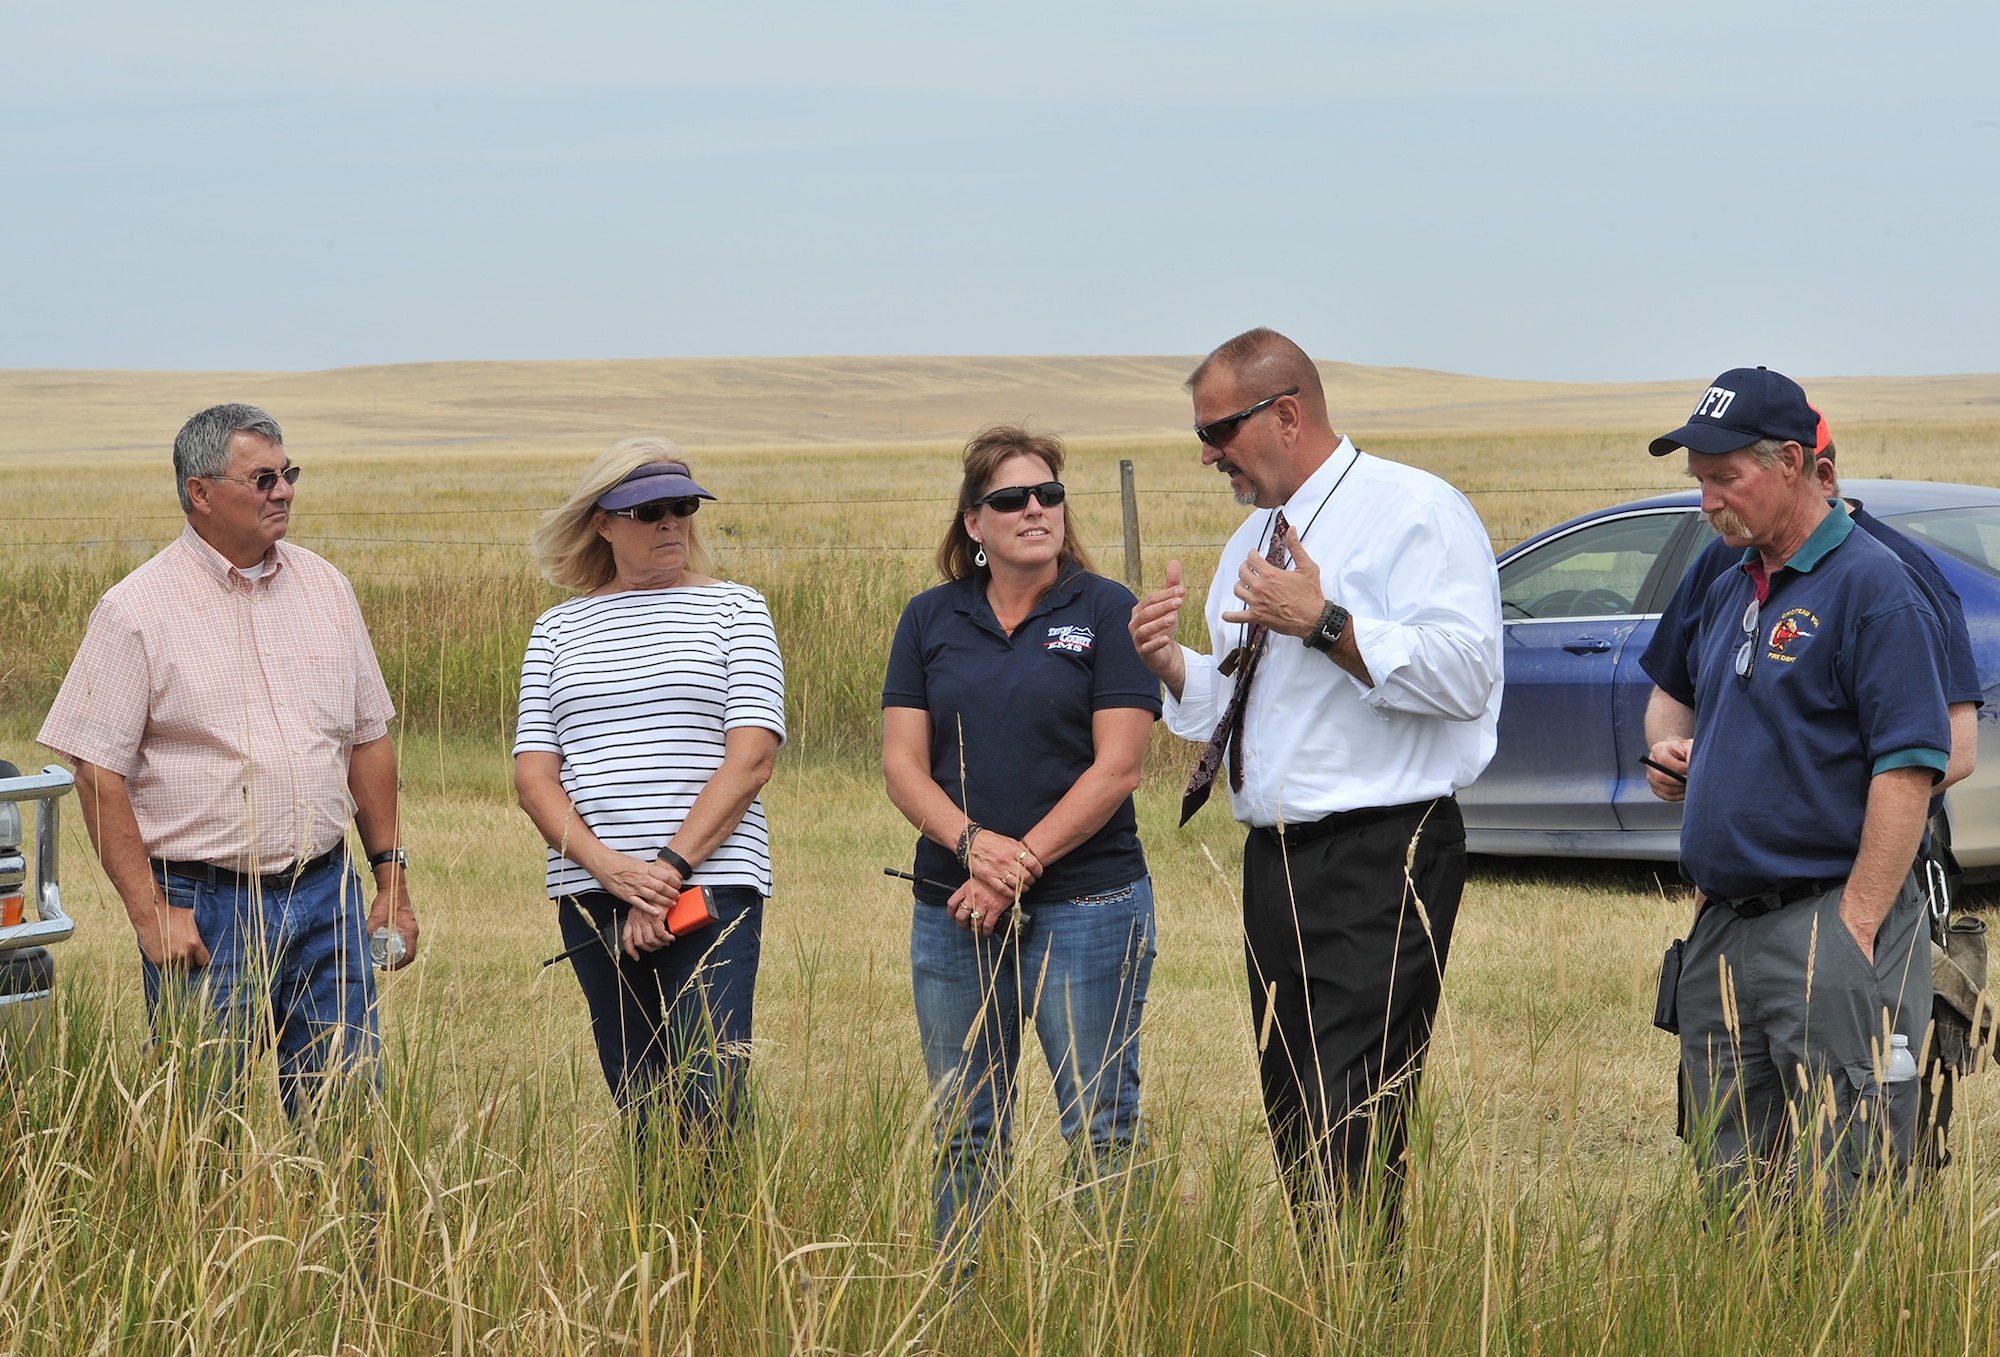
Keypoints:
(1134, 574)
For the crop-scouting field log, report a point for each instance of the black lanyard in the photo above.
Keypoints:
(1243, 637)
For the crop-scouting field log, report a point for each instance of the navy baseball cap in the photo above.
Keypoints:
(650, 481)
(1740, 407)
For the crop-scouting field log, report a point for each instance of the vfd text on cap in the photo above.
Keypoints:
(1739, 408)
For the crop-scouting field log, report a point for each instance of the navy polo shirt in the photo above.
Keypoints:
(1023, 706)
(1846, 683)
(1667, 659)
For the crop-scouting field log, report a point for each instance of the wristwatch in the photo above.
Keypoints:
(1332, 625)
(388, 855)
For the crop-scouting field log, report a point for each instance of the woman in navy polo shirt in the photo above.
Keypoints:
(1014, 724)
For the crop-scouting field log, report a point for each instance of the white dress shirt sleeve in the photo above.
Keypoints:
(1441, 656)
(1204, 694)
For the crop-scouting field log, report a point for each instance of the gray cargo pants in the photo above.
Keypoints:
(1785, 1036)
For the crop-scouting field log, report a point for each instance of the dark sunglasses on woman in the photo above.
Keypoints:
(1014, 498)
(653, 510)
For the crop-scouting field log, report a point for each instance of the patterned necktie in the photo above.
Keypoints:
(1229, 731)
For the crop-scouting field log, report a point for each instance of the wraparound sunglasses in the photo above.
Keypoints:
(1217, 432)
(1014, 498)
(653, 510)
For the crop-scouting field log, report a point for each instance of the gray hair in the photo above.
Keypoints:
(1766, 452)
(201, 448)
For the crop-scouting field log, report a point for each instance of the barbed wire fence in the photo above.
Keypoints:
(1129, 494)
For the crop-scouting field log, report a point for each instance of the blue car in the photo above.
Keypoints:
(1580, 604)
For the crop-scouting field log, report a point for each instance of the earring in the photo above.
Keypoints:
(979, 558)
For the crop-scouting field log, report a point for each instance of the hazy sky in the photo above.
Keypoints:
(1579, 189)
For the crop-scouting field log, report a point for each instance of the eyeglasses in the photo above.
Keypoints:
(1746, 654)
(1014, 498)
(265, 481)
(1217, 432)
(653, 510)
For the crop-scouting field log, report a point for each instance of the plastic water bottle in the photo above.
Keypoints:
(388, 949)
(1902, 1065)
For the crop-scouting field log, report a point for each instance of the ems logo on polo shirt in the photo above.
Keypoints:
(1794, 629)
(1072, 640)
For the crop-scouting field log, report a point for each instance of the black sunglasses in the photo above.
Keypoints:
(1014, 498)
(1217, 432)
(653, 510)
(265, 481)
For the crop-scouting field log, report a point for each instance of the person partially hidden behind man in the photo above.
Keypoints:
(224, 706)
(1816, 680)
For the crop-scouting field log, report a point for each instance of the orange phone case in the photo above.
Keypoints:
(692, 911)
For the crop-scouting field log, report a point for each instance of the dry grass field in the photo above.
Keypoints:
(1552, 1213)
(812, 402)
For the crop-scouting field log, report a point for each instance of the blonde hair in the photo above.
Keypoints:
(566, 545)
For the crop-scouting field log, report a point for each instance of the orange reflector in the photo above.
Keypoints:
(11, 907)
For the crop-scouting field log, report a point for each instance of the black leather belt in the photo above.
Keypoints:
(229, 876)
(1293, 835)
(1777, 897)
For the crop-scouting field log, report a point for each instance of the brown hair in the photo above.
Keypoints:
(566, 544)
(984, 452)
(1265, 362)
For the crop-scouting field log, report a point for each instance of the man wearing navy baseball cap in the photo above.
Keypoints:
(1742, 406)
(1815, 675)
(1668, 719)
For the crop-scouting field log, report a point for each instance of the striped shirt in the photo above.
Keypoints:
(636, 691)
(228, 705)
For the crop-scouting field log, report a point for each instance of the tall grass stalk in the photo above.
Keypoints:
(475, 1210)
(488, 1202)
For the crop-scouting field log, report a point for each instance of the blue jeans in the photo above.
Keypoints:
(673, 1026)
(289, 966)
(1080, 974)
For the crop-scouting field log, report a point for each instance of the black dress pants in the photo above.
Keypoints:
(1345, 972)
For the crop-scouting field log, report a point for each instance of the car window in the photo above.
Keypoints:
(1704, 533)
(1972, 535)
(1595, 571)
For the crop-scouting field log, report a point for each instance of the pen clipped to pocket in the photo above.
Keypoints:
(1667, 1003)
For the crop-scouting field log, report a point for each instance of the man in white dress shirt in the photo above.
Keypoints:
(1353, 686)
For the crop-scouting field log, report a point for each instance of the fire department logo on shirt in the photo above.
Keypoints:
(1790, 633)
(1071, 640)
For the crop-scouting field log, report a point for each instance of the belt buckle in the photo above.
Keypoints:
(1758, 905)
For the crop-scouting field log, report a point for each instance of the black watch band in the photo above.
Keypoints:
(1332, 625)
(677, 862)
(388, 855)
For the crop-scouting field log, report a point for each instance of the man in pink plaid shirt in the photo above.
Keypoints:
(224, 713)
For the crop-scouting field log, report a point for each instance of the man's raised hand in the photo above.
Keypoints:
(1285, 601)
(1155, 619)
